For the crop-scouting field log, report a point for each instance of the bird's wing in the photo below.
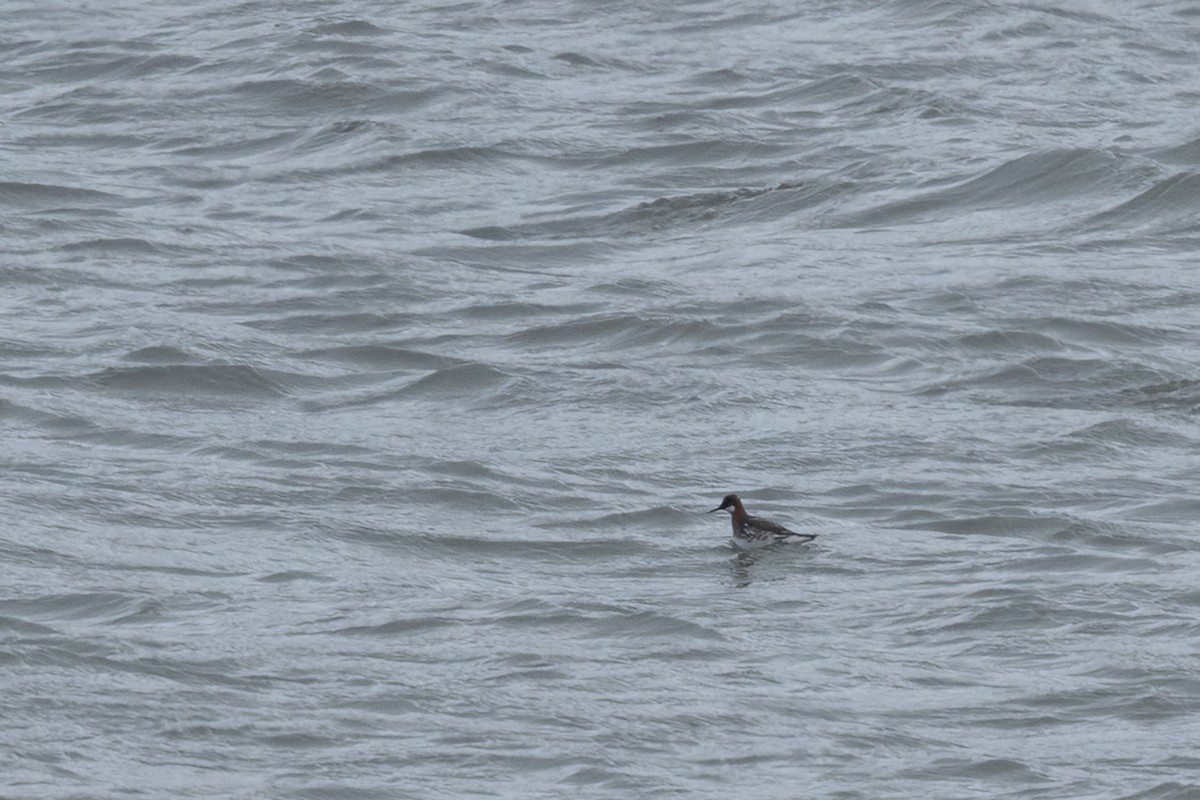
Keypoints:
(768, 526)
(777, 530)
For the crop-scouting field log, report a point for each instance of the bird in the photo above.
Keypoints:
(751, 531)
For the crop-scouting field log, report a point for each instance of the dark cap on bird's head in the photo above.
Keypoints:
(730, 501)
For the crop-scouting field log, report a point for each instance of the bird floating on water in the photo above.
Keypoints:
(751, 531)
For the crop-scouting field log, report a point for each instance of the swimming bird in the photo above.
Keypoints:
(751, 531)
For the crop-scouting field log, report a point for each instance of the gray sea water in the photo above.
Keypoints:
(367, 370)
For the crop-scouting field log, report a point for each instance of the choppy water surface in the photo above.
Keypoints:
(367, 370)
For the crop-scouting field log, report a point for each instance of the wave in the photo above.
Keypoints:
(94, 607)
(614, 332)
(1038, 179)
(457, 381)
(382, 357)
(31, 196)
(1075, 382)
(120, 246)
(462, 384)
(232, 381)
(1171, 205)
(667, 213)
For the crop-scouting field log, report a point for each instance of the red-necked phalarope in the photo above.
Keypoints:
(751, 531)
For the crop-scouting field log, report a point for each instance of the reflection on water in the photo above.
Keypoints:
(773, 562)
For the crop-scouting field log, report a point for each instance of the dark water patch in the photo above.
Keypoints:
(994, 769)
(330, 94)
(845, 350)
(608, 333)
(160, 354)
(349, 28)
(238, 148)
(55, 424)
(211, 598)
(476, 159)
(295, 575)
(1010, 342)
(379, 704)
(906, 508)
(577, 59)
(1109, 536)
(1167, 790)
(1073, 703)
(400, 627)
(383, 357)
(463, 382)
(516, 310)
(311, 448)
(88, 66)
(134, 440)
(18, 554)
(1095, 332)
(176, 673)
(900, 101)
(350, 137)
(350, 322)
(1170, 205)
(321, 789)
(88, 139)
(13, 627)
(666, 212)
(936, 15)
(1117, 435)
(115, 247)
(232, 381)
(97, 607)
(15, 351)
(355, 215)
(660, 518)
(638, 288)
(1187, 598)
(601, 773)
(556, 548)
(598, 621)
(200, 177)
(332, 271)
(502, 480)
(713, 78)
(523, 668)
(1085, 563)
(32, 196)
(1186, 154)
(1028, 613)
(1153, 708)
(464, 497)
(292, 458)
(1060, 382)
(540, 259)
(994, 525)
(228, 453)
(1179, 510)
(1177, 394)
(301, 742)
(470, 470)
(1050, 177)
(650, 625)
(499, 233)
(748, 204)
(383, 388)
(708, 151)
(837, 90)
